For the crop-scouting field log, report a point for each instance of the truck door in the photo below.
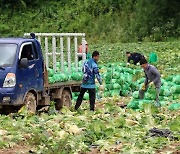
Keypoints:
(31, 77)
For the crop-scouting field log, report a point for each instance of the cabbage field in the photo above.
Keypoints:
(121, 122)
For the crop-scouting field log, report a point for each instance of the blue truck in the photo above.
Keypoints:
(24, 77)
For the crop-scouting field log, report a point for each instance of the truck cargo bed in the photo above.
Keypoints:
(65, 84)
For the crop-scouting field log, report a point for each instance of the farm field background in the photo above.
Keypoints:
(110, 129)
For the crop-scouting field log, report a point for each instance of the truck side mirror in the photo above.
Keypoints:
(23, 63)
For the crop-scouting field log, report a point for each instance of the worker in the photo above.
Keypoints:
(152, 76)
(134, 56)
(80, 50)
(90, 71)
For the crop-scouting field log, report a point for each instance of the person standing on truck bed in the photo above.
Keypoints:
(80, 50)
(152, 76)
(134, 56)
(90, 71)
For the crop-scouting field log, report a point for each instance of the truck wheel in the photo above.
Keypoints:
(64, 101)
(58, 104)
(30, 102)
(66, 98)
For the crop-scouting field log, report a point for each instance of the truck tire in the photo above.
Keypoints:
(30, 102)
(64, 101)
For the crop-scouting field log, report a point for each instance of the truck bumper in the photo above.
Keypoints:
(10, 98)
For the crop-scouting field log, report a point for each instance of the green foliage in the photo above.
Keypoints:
(101, 20)
(77, 132)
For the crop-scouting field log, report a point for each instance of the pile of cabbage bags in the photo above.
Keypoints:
(66, 76)
(169, 94)
(119, 79)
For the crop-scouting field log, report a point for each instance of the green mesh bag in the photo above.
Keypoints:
(61, 77)
(164, 103)
(133, 86)
(149, 96)
(120, 81)
(133, 104)
(109, 86)
(165, 91)
(73, 96)
(143, 102)
(169, 78)
(88, 56)
(108, 76)
(114, 92)
(135, 95)
(50, 72)
(116, 86)
(126, 87)
(176, 79)
(65, 63)
(153, 57)
(113, 81)
(141, 80)
(116, 75)
(76, 76)
(55, 78)
(51, 80)
(124, 93)
(86, 96)
(175, 106)
(175, 89)
(58, 64)
(176, 97)
(107, 94)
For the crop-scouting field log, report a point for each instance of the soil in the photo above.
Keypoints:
(18, 149)
(172, 148)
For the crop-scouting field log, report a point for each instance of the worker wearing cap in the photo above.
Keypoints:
(152, 76)
(134, 56)
(80, 50)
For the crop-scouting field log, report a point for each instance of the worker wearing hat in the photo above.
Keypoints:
(80, 50)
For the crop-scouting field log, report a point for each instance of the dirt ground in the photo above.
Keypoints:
(18, 149)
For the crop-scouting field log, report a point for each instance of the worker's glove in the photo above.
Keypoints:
(151, 84)
(101, 87)
(143, 87)
(96, 81)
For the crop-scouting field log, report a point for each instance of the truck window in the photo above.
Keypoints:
(27, 52)
(35, 51)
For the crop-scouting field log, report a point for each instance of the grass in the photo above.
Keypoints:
(110, 128)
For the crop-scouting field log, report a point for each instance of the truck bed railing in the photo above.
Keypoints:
(54, 37)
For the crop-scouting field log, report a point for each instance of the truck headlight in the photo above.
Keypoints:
(10, 80)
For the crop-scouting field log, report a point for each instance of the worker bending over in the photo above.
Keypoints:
(152, 76)
(134, 56)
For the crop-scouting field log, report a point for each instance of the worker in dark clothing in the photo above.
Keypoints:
(90, 71)
(152, 76)
(135, 57)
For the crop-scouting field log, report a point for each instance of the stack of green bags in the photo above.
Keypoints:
(170, 92)
(65, 76)
(118, 79)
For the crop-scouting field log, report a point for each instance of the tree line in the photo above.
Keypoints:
(110, 20)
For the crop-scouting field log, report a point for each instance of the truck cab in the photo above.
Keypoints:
(23, 73)
(21, 69)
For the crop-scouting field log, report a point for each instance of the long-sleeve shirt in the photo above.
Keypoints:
(80, 50)
(152, 75)
(136, 57)
(90, 71)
